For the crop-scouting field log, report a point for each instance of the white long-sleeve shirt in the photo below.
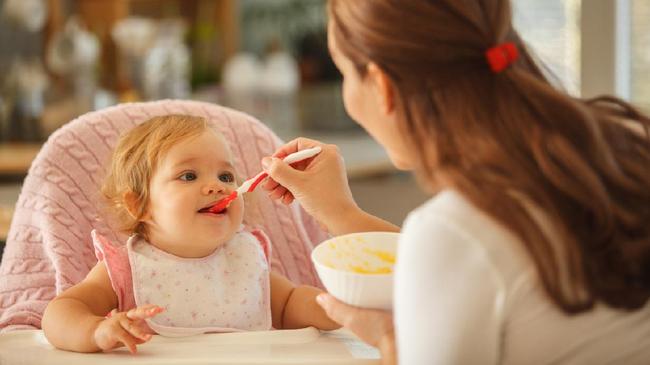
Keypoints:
(466, 292)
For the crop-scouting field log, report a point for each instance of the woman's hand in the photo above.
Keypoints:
(319, 183)
(125, 328)
(373, 326)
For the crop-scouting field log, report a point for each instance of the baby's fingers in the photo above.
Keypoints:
(135, 328)
(144, 312)
(129, 341)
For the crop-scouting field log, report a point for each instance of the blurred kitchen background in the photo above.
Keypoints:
(62, 58)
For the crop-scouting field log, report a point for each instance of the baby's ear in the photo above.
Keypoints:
(131, 204)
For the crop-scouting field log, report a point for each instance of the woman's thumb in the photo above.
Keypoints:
(279, 171)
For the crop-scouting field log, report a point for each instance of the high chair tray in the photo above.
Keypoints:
(303, 346)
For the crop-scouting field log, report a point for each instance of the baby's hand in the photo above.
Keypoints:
(125, 328)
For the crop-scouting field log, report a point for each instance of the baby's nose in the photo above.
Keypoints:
(214, 187)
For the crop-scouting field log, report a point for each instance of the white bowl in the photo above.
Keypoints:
(357, 268)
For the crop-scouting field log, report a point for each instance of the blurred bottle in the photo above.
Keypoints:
(26, 14)
(134, 37)
(157, 61)
(241, 76)
(74, 54)
(22, 102)
(279, 83)
(26, 85)
(266, 90)
(166, 71)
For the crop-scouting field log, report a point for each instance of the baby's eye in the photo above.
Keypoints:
(188, 176)
(227, 177)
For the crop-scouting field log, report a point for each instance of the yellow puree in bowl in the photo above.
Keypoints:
(365, 267)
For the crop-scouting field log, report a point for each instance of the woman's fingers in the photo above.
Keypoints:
(287, 198)
(295, 145)
(270, 184)
(336, 310)
(320, 183)
(278, 192)
(370, 325)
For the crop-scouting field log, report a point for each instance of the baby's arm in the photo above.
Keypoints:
(295, 306)
(70, 319)
(75, 320)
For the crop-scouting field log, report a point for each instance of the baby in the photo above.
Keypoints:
(184, 270)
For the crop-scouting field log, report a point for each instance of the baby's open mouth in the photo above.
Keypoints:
(208, 209)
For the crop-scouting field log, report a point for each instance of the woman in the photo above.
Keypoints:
(535, 247)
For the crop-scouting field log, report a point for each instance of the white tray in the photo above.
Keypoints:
(303, 346)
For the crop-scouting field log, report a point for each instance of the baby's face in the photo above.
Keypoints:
(194, 174)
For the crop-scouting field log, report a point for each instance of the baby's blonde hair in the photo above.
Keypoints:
(135, 160)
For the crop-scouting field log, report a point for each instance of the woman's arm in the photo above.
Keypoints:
(70, 319)
(295, 306)
(448, 294)
(356, 220)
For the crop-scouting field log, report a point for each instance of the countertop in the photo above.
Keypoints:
(15, 158)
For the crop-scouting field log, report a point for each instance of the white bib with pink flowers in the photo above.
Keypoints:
(228, 290)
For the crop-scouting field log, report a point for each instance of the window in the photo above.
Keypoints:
(640, 45)
(552, 29)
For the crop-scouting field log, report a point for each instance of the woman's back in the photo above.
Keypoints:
(478, 292)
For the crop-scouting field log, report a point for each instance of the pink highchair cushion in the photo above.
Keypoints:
(49, 246)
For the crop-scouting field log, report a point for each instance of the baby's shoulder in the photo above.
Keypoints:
(106, 248)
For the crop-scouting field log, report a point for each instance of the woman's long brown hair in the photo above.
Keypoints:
(521, 150)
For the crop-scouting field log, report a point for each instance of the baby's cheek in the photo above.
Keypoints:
(236, 217)
(237, 211)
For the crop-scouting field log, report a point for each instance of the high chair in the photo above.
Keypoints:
(49, 247)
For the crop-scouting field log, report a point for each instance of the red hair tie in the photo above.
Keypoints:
(501, 56)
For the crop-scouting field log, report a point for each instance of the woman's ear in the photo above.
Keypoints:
(383, 87)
